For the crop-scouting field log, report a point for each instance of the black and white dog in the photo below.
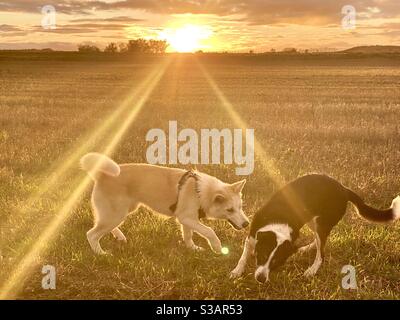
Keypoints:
(315, 199)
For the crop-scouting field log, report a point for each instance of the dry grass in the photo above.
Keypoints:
(337, 117)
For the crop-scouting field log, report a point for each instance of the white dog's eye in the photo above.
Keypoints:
(230, 210)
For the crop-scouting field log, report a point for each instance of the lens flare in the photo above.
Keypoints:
(225, 250)
(61, 169)
(13, 284)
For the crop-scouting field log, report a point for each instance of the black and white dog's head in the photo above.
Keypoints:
(273, 247)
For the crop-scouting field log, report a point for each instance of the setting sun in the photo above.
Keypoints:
(188, 38)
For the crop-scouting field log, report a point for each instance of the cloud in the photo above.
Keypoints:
(254, 12)
(62, 6)
(60, 46)
(80, 28)
(391, 25)
(123, 19)
(8, 28)
(237, 24)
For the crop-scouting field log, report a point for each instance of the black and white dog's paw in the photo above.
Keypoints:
(236, 273)
(311, 271)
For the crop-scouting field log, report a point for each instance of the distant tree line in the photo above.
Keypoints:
(137, 46)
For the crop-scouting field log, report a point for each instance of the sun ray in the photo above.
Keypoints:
(15, 281)
(85, 144)
(268, 164)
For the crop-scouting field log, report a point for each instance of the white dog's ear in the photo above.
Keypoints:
(238, 186)
(219, 198)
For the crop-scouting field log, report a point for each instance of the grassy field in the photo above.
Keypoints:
(339, 116)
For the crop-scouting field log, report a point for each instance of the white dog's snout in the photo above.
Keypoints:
(244, 220)
(239, 221)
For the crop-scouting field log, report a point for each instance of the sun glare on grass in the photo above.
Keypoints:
(188, 38)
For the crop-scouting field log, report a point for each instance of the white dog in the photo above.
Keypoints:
(187, 195)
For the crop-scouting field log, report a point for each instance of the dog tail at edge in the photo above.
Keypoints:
(97, 163)
(372, 214)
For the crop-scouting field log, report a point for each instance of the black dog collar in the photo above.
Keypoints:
(188, 174)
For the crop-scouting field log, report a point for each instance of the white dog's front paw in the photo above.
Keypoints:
(191, 246)
(198, 248)
(118, 235)
(122, 239)
(195, 247)
(236, 273)
(217, 247)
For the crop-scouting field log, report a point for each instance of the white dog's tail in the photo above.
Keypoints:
(96, 163)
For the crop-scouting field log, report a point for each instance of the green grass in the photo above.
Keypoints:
(338, 117)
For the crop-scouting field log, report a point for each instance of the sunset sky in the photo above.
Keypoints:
(208, 25)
